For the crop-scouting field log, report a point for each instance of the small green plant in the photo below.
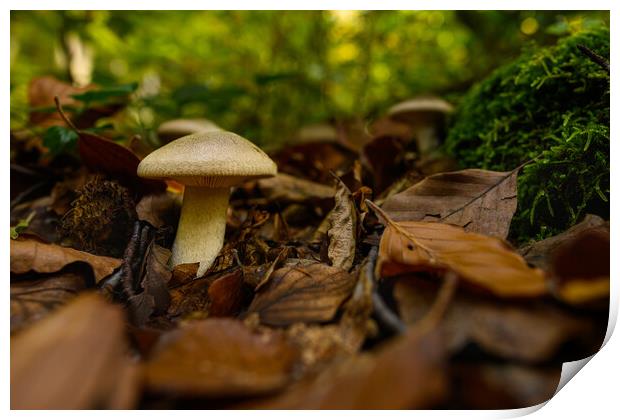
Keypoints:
(21, 226)
(553, 104)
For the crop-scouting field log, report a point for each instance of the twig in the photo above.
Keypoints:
(440, 306)
(594, 57)
(383, 313)
(63, 115)
(108, 285)
(21, 196)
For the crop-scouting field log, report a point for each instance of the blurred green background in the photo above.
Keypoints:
(265, 74)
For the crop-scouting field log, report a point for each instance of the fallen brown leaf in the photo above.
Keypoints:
(41, 93)
(160, 209)
(496, 386)
(310, 293)
(29, 254)
(531, 332)
(155, 297)
(405, 373)
(287, 188)
(480, 201)
(388, 158)
(73, 359)
(190, 297)
(342, 229)
(482, 262)
(219, 357)
(227, 294)
(321, 344)
(102, 155)
(314, 160)
(580, 268)
(540, 253)
(33, 299)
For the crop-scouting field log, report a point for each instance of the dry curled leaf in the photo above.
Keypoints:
(160, 209)
(155, 297)
(342, 231)
(102, 155)
(481, 261)
(320, 344)
(290, 189)
(480, 201)
(28, 254)
(73, 359)
(32, 299)
(310, 293)
(190, 298)
(219, 357)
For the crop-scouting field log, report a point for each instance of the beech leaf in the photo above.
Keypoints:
(73, 359)
(312, 293)
(29, 254)
(481, 261)
(219, 357)
(32, 299)
(480, 201)
(287, 188)
(530, 332)
(405, 373)
(342, 231)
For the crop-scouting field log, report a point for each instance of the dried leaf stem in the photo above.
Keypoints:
(399, 229)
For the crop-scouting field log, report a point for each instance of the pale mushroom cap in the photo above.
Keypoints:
(183, 127)
(422, 107)
(316, 132)
(210, 159)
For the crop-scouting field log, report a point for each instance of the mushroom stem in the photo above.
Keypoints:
(426, 138)
(202, 225)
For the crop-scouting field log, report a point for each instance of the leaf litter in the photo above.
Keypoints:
(361, 276)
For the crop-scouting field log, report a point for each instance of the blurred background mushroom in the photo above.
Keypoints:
(174, 129)
(426, 115)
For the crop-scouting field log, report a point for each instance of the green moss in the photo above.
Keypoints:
(551, 101)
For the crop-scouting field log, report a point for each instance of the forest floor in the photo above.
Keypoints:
(363, 276)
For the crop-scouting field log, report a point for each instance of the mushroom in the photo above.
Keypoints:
(426, 117)
(174, 129)
(208, 164)
(317, 133)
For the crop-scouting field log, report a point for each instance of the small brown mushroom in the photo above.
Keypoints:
(174, 129)
(208, 164)
(426, 117)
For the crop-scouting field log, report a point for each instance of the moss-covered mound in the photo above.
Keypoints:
(553, 101)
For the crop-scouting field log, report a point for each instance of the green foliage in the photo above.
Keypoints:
(106, 94)
(59, 139)
(552, 103)
(264, 74)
